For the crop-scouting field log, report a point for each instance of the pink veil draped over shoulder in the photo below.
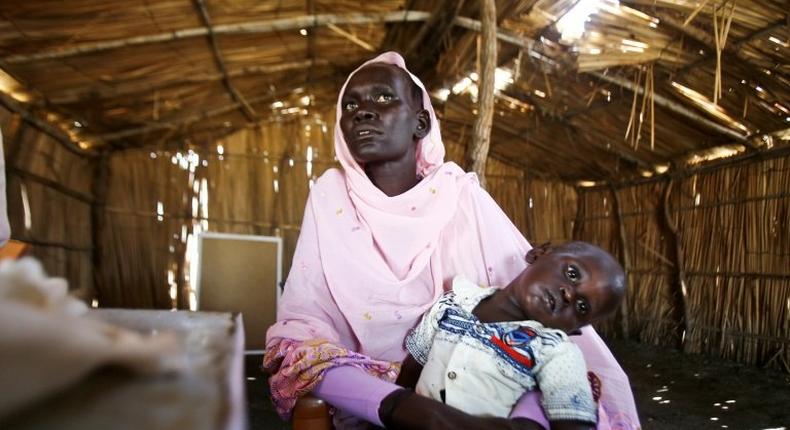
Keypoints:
(367, 266)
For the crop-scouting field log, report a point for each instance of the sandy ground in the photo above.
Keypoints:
(672, 390)
(676, 391)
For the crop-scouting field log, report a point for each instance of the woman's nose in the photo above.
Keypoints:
(364, 114)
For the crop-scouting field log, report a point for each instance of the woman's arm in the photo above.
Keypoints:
(383, 403)
(405, 410)
(354, 391)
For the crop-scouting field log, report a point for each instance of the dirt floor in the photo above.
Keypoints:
(676, 391)
(673, 392)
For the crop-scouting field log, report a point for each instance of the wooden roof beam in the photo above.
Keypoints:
(732, 49)
(189, 119)
(235, 95)
(46, 128)
(735, 48)
(91, 94)
(258, 27)
(250, 27)
(673, 106)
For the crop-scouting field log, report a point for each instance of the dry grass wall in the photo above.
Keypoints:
(731, 226)
(48, 191)
(727, 237)
(258, 185)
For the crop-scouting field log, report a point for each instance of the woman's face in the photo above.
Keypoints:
(380, 119)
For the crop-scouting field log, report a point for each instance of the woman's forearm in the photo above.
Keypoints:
(406, 410)
(356, 392)
(352, 390)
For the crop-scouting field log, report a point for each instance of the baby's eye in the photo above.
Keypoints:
(349, 106)
(582, 306)
(384, 98)
(572, 273)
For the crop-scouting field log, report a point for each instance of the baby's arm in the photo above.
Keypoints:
(567, 396)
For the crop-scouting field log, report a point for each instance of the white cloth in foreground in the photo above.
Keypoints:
(47, 343)
(5, 229)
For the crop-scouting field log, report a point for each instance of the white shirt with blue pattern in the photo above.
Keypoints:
(484, 368)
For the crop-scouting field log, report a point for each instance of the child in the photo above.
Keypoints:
(480, 348)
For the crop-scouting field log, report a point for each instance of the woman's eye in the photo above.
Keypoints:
(349, 106)
(572, 273)
(384, 98)
(582, 306)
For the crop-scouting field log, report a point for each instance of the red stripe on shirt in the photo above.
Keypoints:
(521, 358)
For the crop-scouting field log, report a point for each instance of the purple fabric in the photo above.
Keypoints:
(528, 406)
(353, 391)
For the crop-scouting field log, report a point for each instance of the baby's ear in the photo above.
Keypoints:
(537, 251)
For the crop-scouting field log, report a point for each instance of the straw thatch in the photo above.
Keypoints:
(130, 128)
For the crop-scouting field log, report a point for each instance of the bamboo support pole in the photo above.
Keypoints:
(51, 184)
(477, 153)
(748, 157)
(132, 89)
(735, 48)
(249, 27)
(99, 186)
(578, 223)
(625, 260)
(680, 287)
(674, 107)
(184, 121)
(234, 93)
(44, 127)
(50, 244)
(705, 38)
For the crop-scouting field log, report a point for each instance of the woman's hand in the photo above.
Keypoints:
(406, 410)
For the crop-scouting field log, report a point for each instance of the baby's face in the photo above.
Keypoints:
(568, 290)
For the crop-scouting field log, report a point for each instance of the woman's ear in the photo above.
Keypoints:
(534, 253)
(423, 124)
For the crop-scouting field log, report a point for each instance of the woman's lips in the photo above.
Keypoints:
(365, 132)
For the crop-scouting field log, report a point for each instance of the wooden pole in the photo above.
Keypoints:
(190, 119)
(681, 311)
(625, 260)
(74, 96)
(249, 27)
(234, 93)
(674, 107)
(49, 183)
(99, 186)
(477, 152)
(578, 223)
(44, 127)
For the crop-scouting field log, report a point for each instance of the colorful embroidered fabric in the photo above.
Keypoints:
(296, 367)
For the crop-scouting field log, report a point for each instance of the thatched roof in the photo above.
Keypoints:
(158, 73)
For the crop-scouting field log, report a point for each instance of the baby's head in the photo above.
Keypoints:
(569, 286)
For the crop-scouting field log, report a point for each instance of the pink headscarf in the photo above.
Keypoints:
(367, 266)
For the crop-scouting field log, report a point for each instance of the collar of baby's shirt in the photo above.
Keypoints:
(468, 295)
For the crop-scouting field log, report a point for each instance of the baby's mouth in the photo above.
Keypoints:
(551, 302)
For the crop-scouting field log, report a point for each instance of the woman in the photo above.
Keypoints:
(380, 241)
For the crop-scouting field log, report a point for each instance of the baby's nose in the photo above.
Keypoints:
(567, 294)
